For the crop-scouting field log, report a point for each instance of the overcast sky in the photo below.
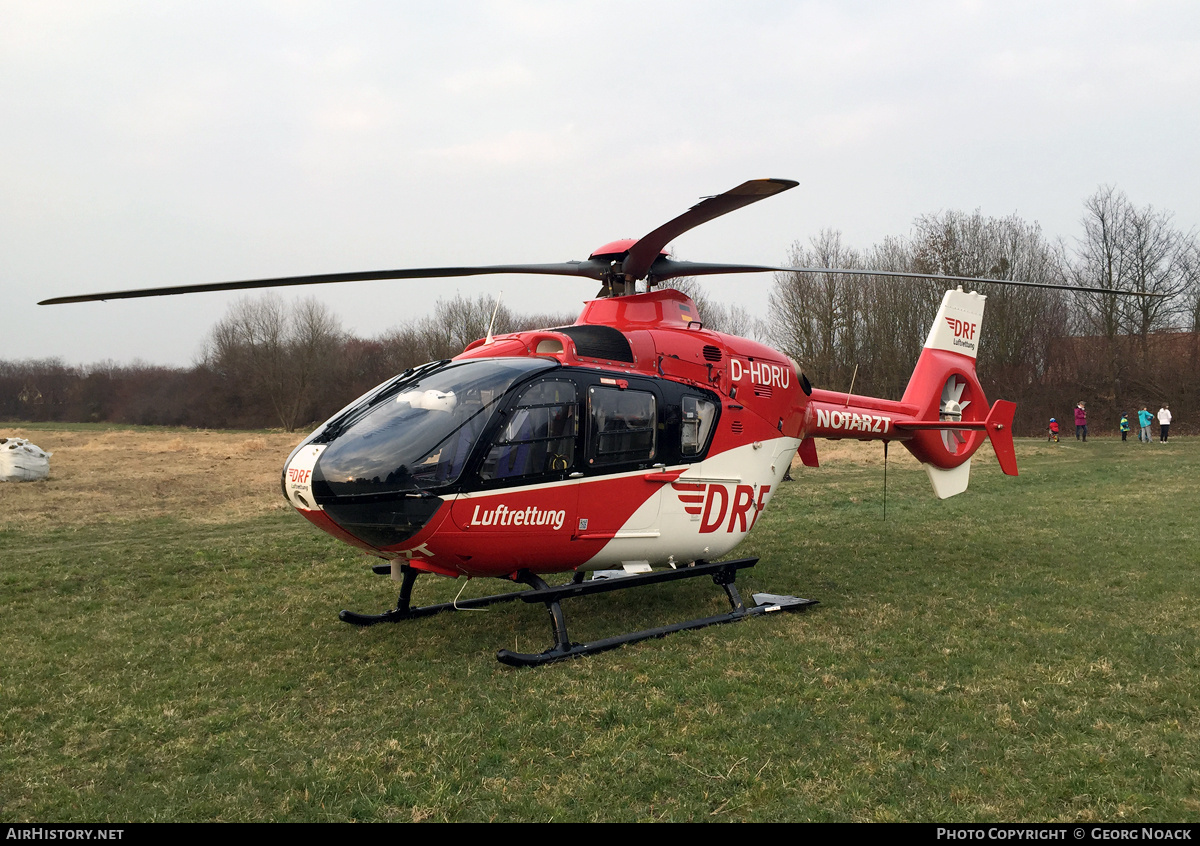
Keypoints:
(157, 143)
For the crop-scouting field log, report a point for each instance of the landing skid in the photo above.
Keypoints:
(723, 573)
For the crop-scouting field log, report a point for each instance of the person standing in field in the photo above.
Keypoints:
(1144, 420)
(1164, 423)
(1124, 426)
(1081, 422)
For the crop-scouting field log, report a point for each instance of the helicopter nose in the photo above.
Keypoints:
(361, 507)
(384, 523)
(375, 510)
(297, 477)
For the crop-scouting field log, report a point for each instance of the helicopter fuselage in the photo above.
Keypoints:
(633, 438)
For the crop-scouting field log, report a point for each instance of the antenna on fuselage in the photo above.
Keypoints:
(853, 376)
(492, 322)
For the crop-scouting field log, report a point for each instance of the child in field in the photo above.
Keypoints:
(1124, 425)
(1053, 430)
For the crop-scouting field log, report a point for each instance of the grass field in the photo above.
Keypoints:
(1026, 651)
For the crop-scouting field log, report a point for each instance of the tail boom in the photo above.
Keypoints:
(869, 419)
(943, 417)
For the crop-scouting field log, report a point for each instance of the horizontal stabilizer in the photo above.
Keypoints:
(997, 426)
(999, 431)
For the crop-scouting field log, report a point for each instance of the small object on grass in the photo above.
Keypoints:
(21, 461)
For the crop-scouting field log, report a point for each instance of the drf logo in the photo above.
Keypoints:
(712, 503)
(962, 329)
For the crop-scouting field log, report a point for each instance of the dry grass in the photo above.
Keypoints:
(851, 453)
(215, 477)
(858, 453)
(211, 477)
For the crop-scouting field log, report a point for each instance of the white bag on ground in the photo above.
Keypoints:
(21, 461)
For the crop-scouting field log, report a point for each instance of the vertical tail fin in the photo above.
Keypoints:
(944, 387)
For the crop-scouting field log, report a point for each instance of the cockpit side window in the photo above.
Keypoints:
(538, 434)
(624, 426)
(696, 425)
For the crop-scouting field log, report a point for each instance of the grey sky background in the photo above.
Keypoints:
(157, 143)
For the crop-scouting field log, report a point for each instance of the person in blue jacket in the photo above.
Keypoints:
(1145, 418)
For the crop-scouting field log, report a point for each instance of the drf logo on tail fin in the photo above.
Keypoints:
(964, 332)
(962, 329)
(712, 503)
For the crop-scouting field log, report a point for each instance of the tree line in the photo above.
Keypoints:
(268, 364)
(1045, 349)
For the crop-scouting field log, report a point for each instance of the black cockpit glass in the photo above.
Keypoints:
(416, 434)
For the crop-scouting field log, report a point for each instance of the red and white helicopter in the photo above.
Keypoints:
(635, 442)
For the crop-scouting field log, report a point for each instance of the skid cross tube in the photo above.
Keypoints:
(723, 573)
(405, 611)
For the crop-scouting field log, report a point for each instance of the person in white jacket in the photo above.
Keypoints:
(1164, 423)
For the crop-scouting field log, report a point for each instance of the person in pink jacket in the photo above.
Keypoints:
(1081, 422)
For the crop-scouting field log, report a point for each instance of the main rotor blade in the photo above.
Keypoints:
(589, 269)
(666, 268)
(643, 254)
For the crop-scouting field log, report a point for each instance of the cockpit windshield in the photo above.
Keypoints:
(416, 434)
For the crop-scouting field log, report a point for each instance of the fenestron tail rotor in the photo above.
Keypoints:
(951, 410)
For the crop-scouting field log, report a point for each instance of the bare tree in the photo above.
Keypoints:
(283, 354)
(1023, 323)
(454, 324)
(1159, 261)
(896, 316)
(1131, 249)
(464, 320)
(1125, 248)
(816, 318)
(832, 323)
